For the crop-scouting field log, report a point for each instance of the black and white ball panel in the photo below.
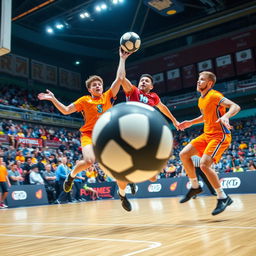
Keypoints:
(130, 42)
(132, 142)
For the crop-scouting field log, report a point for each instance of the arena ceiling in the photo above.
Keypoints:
(98, 36)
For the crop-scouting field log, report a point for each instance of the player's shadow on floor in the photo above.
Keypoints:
(213, 221)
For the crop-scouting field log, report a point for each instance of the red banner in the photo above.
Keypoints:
(189, 76)
(30, 141)
(4, 139)
(52, 143)
(245, 62)
(173, 80)
(224, 66)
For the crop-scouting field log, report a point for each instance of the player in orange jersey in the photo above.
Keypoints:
(213, 142)
(92, 107)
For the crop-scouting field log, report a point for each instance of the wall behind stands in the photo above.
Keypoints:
(228, 57)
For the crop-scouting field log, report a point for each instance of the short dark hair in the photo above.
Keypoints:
(149, 76)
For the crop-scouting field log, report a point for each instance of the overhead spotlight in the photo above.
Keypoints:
(86, 14)
(115, 1)
(77, 62)
(59, 26)
(97, 8)
(103, 6)
(120, 1)
(82, 16)
(49, 30)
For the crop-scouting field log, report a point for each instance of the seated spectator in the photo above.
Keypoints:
(35, 177)
(251, 166)
(20, 157)
(238, 168)
(91, 174)
(14, 175)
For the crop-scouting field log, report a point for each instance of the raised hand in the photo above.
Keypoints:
(123, 54)
(46, 96)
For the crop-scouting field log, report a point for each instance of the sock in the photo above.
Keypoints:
(220, 193)
(72, 175)
(194, 182)
(121, 192)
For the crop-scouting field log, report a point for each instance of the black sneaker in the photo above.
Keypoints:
(125, 203)
(192, 192)
(133, 188)
(68, 183)
(221, 205)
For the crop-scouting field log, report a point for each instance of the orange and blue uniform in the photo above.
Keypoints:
(216, 137)
(91, 109)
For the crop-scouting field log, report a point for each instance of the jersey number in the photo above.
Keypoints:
(99, 108)
(143, 99)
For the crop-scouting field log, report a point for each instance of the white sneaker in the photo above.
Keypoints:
(5, 206)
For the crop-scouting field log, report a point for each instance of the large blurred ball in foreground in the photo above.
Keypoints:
(132, 142)
(130, 42)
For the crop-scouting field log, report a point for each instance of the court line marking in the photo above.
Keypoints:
(129, 225)
(151, 244)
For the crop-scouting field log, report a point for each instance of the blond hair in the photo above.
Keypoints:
(211, 76)
(92, 79)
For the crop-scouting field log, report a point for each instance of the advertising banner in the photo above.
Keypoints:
(27, 195)
(30, 141)
(106, 190)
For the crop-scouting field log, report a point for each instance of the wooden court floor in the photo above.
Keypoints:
(159, 226)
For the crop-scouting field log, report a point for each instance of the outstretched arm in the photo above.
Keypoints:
(65, 110)
(126, 84)
(233, 110)
(120, 74)
(163, 108)
(186, 124)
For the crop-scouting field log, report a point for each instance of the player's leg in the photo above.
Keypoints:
(213, 152)
(193, 148)
(121, 192)
(205, 180)
(88, 160)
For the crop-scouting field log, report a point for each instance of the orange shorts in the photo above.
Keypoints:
(212, 145)
(85, 139)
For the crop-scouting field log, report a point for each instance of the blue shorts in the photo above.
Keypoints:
(3, 187)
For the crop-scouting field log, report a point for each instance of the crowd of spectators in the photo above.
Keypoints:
(14, 96)
(241, 155)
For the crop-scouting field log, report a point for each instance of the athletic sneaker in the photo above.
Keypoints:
(125, 203)
(221, 205)
(133, 188)
(192, 192)
(5, 206)
(68, 183)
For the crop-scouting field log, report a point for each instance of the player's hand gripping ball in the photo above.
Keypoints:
(132, 142)
(130, 42)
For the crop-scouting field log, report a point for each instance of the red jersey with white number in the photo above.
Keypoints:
(150, 98)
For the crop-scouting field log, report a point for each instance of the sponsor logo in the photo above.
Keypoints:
(39, 194)
(102, 191)
(173, 186)
(128, 189)
(154, 187)
(233, 182)
(188, 185)
(19, 195)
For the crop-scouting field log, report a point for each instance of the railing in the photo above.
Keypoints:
(38, 117)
